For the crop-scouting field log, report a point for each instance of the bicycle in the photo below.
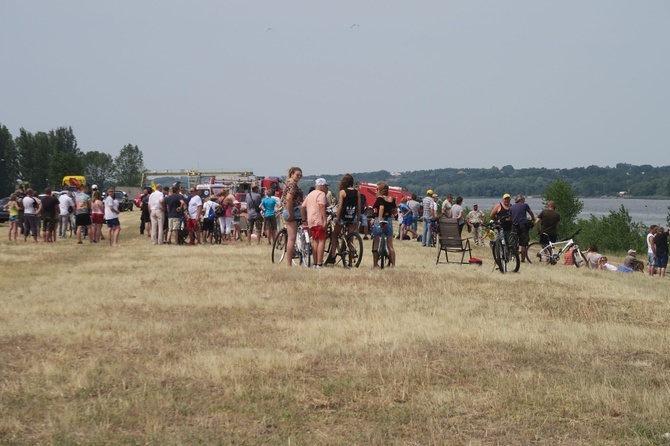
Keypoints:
(302, 249)
(547, 254)
(505, 248)
(349, 250)
(382, 249)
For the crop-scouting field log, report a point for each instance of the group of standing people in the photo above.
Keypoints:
(657, 249)
(310, 211)
(27, 211)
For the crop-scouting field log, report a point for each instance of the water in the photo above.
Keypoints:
(646, 211)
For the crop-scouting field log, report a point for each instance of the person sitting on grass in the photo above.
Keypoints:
(593, 258)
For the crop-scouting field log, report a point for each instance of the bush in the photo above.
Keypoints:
(615, 232)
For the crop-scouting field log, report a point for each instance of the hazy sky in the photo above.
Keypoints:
(344, 86)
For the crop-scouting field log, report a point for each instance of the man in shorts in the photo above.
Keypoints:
(49, 212)
(82, 212)
(194, 213)
(313, 212)
(520, 210)
(650, 249)
(254, 215)
(661, 250)
(175, 205)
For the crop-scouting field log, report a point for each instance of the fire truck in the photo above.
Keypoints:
(370, 192)
(211, 183)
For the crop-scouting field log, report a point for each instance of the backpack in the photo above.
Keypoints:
(211, 213)
(220, 211)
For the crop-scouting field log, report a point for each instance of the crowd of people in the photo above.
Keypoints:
(163, 212)
(48, 216)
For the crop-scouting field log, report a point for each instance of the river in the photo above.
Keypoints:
(646, 211)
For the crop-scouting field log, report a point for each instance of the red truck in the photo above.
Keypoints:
(370, 192)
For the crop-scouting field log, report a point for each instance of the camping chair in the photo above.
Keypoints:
(450, 240)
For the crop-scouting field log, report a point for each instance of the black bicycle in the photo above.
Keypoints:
(505, 248)
(349, 250)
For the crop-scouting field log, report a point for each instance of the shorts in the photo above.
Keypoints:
(256, 223)
(662, 260)
(82, 220)
(174, 223)
(344, 222)
(192, 225)
(113, 222)
(652, 259)
(97, 218)
(207, 225)
(271, 223)
(377, 230)
(545, 239)
(318, 233)
(364, 220)
(407, 221)
(523, 235)
(13, 218)
(48, 224)
(296, 214)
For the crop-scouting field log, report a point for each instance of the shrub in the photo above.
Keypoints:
(615, 232)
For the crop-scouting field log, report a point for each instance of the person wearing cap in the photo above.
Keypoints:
(546, 223)
(313, 211)
(502, 212)
(254, 214)
(429, 214)
(631, 260)
(475, 219)
(520, 210)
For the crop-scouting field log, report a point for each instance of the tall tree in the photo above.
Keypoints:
(567, 204)
(98, 168)
(33, 155)
(62, 164)
(63, 140)
(9, 162)
(129, 166)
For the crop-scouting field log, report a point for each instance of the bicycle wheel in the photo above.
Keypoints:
(383, 253)
(352, 249)
(499, 256)
(538, 254)
(579, 259)
(305, 250)
(279, 247)
(513, 253)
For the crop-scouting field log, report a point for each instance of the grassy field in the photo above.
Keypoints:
(215, 345)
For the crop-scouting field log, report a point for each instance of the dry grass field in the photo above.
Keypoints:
(168, 345)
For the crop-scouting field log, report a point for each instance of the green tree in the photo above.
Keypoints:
(98, 168)
(567, 204)
(33, 156)
(62, 164)
(9, 162)
(129, 166)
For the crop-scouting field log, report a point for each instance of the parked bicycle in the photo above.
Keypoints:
(302, 251)
(551, 253)
(505, 248)
(349, 250)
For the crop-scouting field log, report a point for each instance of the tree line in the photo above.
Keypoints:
(42, 159)
(592, 181)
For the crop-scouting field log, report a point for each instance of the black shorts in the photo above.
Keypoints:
(207, 224)
(48, 224)
(82, 219)
(524, 236)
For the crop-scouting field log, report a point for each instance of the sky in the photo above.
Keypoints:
(344, 86)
